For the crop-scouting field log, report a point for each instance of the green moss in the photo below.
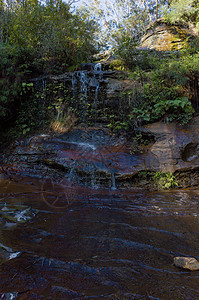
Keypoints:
(119, 65)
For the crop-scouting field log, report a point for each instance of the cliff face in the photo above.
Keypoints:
(165, 37)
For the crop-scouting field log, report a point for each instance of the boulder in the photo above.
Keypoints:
(189, 263)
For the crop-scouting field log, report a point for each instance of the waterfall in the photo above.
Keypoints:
(80, 91)
(98, 74)
(83, 85)
(71, 176)
(98, 68)
(44, 85)
(85, 88)
(80, 80)
(74, 85)
(113, 184)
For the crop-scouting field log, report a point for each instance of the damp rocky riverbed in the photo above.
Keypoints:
(71, 227)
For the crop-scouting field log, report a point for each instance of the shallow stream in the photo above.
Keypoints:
(79, 243)
(64, 239)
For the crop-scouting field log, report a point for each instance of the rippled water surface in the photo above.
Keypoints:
(59, 242)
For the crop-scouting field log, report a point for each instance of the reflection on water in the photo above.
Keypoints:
(59, 242)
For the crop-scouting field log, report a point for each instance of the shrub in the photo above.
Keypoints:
(165, 180)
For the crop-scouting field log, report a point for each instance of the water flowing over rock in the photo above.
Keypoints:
(86, 243)
(92, 90)
(86, 84)
(96, 157)
(88, 157)
(75, 224)
(79, 215)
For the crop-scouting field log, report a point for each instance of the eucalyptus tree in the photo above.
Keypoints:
(185, 11)
(38, 37)
(124, 19)
(48, 30)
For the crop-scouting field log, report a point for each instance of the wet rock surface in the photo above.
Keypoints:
(104, 243)
(75, 226)
(92, 157)
(96, 157)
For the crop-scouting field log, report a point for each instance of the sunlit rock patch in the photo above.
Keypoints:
(162, 36)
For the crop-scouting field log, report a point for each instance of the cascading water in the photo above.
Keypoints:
(113, 187)
(83, 84)
(85, 88)
(75, 225)
(98, 74)
(71, 175)
(80, 91)
(98, 70)
(74, 85)
(44, 87)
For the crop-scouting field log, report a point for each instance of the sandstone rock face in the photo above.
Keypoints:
(176, 150)
(189, 263)
(114, 87)
(96, 157)
(176, 146)
(164, 37)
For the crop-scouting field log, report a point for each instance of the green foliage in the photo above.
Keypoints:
(161, 90)
(57, 98)
(143, 174)
(138, 141)
(10, 83)
(125, 47)
(50, 35)
(165, 87)
(31, 113)
(158, 108)
(38, 38)
(42, 106)
(135, 145)
(185, 11)
(26, 87)
(166, 84)
(118, 64)
(43, 38)
(117, 125)
(165, 180)
(174, 110)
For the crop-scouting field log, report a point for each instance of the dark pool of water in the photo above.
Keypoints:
(60, 242)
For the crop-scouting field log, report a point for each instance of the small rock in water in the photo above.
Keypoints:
(5, 208)
(189, 263)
